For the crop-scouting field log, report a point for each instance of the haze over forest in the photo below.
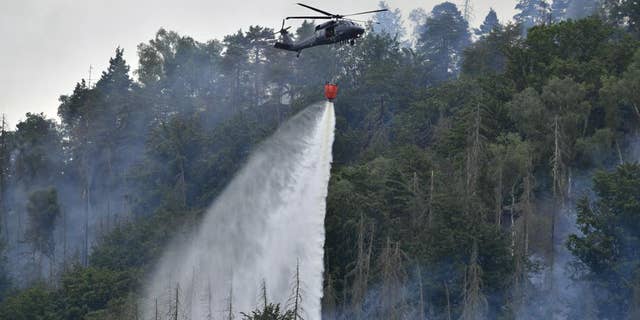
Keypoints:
(479, 172)
(54, 43)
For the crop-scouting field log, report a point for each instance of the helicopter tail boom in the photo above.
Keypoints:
(285, 46)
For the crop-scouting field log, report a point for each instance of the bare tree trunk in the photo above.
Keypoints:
(362, 267)
(265, 302)
(555, 161)
(475, 305)
(634, 313)
(64, 240)
(87, 197)
(296, 295)
(558, 198)
(431, 192)
(230, 304)
(498, 199)
(85, 241)
(329, 299)
(448, 298)
(177, 302)
(620, 158)
(421, 303)
(637, 111)
(3, 161)
(183, 183)
(192, 291)
(209, 300)
(473, 154)
(512, 215)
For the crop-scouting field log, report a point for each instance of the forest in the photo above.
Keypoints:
(478, 173)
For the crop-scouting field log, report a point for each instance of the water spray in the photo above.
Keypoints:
(268, 222)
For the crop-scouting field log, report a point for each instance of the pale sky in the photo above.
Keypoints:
(46, 46)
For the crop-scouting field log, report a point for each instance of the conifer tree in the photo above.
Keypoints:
(442, 40)
(43, 210)
(532, 13)
(389, 22)
(490, 23)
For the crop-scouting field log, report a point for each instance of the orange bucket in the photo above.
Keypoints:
(330, 91)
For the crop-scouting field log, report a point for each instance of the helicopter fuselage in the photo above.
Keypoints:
(327, 33)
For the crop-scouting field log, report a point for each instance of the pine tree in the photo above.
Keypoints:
(490, 23)
(43, 210)
(532, 13)
(389, 22)
(443, 38)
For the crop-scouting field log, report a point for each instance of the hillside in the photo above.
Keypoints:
(487, 179)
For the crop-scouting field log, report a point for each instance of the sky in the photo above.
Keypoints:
(47, 46)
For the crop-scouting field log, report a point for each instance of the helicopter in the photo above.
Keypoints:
(338, 29)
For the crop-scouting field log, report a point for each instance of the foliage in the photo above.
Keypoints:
(43, 210)
(489, 24)
(269, 312)
(609, 238)
(445, 35)
(445, 157)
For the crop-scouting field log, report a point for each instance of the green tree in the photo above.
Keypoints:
(626, 12)
(609, 238)
(488, 56)
(43, 210)
(489, 24)
(444, 36)
(36, 302)
(532, 13)
(88, 289)
(39, 151)
(269, 312)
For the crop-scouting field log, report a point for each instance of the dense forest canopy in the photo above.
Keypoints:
(462, 158)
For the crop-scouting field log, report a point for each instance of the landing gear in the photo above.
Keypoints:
(352, 42)
(298, 55)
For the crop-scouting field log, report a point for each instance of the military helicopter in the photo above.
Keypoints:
(338, 30)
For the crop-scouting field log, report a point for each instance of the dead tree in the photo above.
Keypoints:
(209, 301)
(475, 305)
(263, 288)
(295, 301)
(421, 302)
(362, 266)
(4, 159)
(230, 304)
(392, 299)
(448, 298)
(176, 302)
(329, 298)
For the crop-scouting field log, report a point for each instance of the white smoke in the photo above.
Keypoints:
(268, 219)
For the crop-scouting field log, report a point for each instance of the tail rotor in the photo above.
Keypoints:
(283, 31)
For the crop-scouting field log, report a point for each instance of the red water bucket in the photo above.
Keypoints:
(330, 91)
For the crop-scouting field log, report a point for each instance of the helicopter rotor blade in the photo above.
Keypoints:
(309, 17)
(282, 31)
(316, 10)
(359, 13)
(362, 21)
